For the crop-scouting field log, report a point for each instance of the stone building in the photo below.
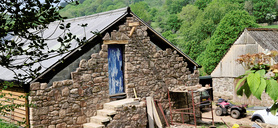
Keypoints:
(125, 59)
(251, 41)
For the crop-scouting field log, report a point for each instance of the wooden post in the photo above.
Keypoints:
(150, 112)
(156, 116)
(134, 24)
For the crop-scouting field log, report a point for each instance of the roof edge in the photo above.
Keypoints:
(168, 42)
(77, 49)
(262, 29)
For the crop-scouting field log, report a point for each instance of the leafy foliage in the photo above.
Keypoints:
(6, 125)
(225, 34)
(255, 81)
(261, 8)
(202, 4)
(190, 24)
(141, 9)
(23, 43)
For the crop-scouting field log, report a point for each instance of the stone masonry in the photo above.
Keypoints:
(70, 103)
(132, 116)
(225, 88)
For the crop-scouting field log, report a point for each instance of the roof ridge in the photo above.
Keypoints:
(262, 29)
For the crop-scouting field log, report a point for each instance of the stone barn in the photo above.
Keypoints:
(101, 79)
(251, 41)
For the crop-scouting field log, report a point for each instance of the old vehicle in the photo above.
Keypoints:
(265, 116)
(205, 99)
(224, 107)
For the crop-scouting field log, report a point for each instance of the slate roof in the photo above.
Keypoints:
(266, 37)
(96, 22)
(101, 22)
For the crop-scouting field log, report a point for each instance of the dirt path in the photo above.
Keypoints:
(244, 121)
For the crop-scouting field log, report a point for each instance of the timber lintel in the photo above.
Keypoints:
(115, 42)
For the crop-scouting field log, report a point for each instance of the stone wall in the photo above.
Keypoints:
(70, 103)
(151, 72)
(66, 72)
(130, 116)
(223, 87)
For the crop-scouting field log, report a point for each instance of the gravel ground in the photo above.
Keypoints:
(244, 121)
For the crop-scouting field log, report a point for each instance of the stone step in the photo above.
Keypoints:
(114, 105)
(93, 125)
(100, 119)
(106, 112)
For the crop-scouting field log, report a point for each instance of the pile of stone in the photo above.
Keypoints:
(197, 87)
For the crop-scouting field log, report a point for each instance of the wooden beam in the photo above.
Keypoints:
(131, 32)
(150, 111)
(133, 24)
(115, 42)
(156, 116)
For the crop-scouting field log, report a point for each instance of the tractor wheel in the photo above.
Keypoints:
(218, 111)
(235, 113)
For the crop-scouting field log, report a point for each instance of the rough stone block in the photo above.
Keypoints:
(43, 110)
(76, 108)
(74, 91)
(65, 91)
(51, 126)
(67, 82)
(39, 92)
(57, 84)
(81, 120)
(95, 56)
(98, 79)
(62, 113)
(62, 125)
(35, 86)
(83, 63)
(106, 37)
(43, 86)
(86, 77)
(96, 89)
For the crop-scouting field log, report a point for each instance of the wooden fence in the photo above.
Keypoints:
(20, 114)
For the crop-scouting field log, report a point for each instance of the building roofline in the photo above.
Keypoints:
(168, 42)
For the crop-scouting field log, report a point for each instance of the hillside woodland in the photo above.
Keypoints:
(203, 29)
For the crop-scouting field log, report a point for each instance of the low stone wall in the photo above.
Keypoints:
(130, 116)
(223, 87)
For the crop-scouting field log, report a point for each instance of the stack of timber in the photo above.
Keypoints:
(15, 97)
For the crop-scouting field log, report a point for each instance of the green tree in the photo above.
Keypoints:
(202, 4)
(142, 10)
(224, 36)
(262, 8)
(22, 42)
(169, 35)
(175, 6)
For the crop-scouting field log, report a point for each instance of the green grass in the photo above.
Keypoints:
(6, 125)
(218, 125)
(270, 26)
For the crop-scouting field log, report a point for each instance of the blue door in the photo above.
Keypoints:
(115, 69)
